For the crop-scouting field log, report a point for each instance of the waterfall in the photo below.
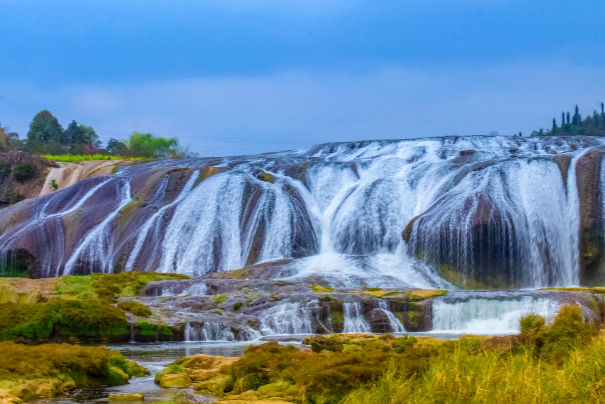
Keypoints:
(95, 252)
(41, 220)
(208, 331)
(354, 318)
(155, 225)
(488, 316)
(287, 318)
(383, 306)
(337, 210)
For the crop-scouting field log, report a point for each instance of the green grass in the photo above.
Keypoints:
(321, 289)
(70, 158)
(136, 308)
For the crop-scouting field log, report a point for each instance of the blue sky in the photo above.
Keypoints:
(246, 76)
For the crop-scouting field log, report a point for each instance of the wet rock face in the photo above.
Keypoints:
(591, 233)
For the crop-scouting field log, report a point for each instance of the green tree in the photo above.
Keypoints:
(150, 146)
(117, 148)
(45, 134)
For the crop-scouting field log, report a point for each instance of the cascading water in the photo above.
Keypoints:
(354, 320)
(338, 209)
(95, 252)
(491, 316)
(154, 224)
(394, 322)
(208, 331)
(287, 318)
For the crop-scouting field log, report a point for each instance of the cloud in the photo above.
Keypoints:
(295, 109)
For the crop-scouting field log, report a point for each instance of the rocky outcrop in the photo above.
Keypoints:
(592, 228)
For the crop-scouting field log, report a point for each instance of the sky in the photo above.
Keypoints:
(230, 77)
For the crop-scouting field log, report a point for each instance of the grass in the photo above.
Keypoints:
(321, 289)
(136, 308)
(70, 158)
(81, 309)
(51, 369)
(563, 362)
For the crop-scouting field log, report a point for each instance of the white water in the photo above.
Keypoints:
(287, 318)
(154, 224)
(96, 249)
(488, 316)
(354, 318)
(345, 213)
(208, 331)
(383, 306)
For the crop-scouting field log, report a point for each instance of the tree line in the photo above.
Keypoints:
(47, 136)
(574, 125)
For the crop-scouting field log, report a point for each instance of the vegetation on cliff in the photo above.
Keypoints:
(51, 369)
(76, 308)
(547, 363)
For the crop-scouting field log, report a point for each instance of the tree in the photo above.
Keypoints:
(554, 126)
(117, 148)
(568, 121)
(577, 119)
(74, 138)
(45, 134)
(151, 146)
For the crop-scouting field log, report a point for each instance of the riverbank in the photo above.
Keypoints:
(53, 369)
(563, 362)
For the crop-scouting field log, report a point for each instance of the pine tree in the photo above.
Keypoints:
(568, 120)
(554, 127)
(577, 119)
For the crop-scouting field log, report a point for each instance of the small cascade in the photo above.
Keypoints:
(95, 253)
(197, 289)
(383, 306)
(488, 316)
(354, 318)
(208, 331)
(287, 318)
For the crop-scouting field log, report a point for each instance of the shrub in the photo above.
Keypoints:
(24, 172)
(237, 306)
(136, 308)
(54, 184)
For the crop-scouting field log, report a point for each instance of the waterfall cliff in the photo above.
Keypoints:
(474, 211)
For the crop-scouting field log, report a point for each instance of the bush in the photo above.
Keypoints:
(237, 306)
(24, 172)
(84, 319)
(136, 308)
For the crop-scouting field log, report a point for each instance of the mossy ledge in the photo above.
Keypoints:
(52, 369)
(74, 308)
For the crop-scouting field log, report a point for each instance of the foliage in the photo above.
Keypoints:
(54, 184)
(81, 308)
(69, 158)
(45, 134)
(237, 306)
(24, 172)
(151, 146)
(82, 319)
(136, 308)
(109, 287)
(592, 125)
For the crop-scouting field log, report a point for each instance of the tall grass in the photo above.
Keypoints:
(70, 158)
(554, 366)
